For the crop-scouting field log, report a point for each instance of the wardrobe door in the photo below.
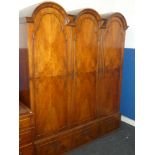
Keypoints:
(109, 92)
(111, 64)
(85, 68)
(50, 59)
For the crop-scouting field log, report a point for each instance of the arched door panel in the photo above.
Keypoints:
(85, 68)
(51, 84)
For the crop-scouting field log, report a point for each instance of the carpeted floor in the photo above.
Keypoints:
(120, 142)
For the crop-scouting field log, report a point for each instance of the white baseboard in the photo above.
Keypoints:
(127, 120)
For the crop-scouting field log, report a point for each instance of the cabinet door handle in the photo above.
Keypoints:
(20, 153)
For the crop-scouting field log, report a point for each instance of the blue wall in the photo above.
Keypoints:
(127, 106)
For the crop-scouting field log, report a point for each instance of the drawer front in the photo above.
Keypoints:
(26, 137)
(85, 135)
(109, 125)
(56, 147)
(25, 122)
(26, 150)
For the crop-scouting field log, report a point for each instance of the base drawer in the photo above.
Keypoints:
(73, 138)
(109, 124)
(28, 150)
(85, 135)
(26, 122)
(55, 147)
(25, 137)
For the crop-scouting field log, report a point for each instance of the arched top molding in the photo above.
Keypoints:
(107, 18)
(34, 10)
(71, 18)
(76, 14)
(89, 11)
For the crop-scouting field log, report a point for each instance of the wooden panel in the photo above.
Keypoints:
(24, 76)
(85, 97)
(109, 92)
(86, 64)
(50, 50)
(26, 137)
(109, 124)
(50, 76)
(28, 150)
(86, 51)
(26, 119)
(85, 135)
(113, 44)
(54, 147)
(65, 141)
(51, 99)
(24, 110)
(25, 122)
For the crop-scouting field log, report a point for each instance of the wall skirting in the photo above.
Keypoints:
(127, 120)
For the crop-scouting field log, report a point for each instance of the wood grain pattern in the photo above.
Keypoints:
(112, 44)
(70, 77)
(112, 38)
(75, 137)
(50, 72)
(26, 130)
(26, 137)
(49, 59)
(25, 117)
(85, 98)
(51, 109)
(24, 93)
(28, 150)
(86, 44)
(85, 67)
(109, 92)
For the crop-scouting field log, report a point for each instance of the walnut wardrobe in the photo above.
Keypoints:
(70, 76)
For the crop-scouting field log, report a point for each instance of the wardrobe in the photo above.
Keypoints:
(70, 71)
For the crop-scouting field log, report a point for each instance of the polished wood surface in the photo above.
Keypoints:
(85, 67)
(64, 141)
(26, 130)
(23, 77)
(112, 45)
(70, 76)
(25, 117)
(50, 72)
(27, 150)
